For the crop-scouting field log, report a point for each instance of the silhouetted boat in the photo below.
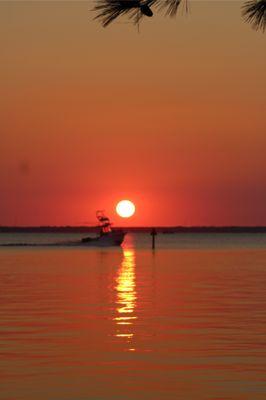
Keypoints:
(107, 237)
(113, 238)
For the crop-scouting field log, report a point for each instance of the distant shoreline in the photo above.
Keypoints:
(159, 229)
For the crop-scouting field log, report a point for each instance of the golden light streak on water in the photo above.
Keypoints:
(126, 295)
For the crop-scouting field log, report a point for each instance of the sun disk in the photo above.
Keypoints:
(125, 208)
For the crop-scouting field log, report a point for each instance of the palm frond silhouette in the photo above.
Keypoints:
(254, 11)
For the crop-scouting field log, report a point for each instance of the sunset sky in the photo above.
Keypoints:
(172, 118)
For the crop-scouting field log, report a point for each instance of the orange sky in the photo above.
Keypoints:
(172, 118)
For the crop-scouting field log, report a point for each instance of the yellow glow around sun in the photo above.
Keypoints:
(125, 208)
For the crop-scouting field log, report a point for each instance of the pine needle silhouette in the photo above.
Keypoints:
(171, 6)
(109, 10)
(254, 11)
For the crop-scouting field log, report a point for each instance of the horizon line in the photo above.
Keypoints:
(135, 227)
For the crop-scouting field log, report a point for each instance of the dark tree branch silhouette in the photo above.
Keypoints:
(254, 11)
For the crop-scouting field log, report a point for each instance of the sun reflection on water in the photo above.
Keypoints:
(126, 296)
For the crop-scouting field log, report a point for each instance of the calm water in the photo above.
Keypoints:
(185, 322)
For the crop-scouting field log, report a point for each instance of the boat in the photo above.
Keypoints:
(108, 236)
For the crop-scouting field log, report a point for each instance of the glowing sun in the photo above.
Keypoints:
(125, 208)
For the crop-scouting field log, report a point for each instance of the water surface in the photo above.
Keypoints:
(187, 321)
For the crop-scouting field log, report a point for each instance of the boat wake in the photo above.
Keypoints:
(107, 237)
(76, 243)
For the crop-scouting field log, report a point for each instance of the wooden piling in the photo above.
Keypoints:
(153, 234)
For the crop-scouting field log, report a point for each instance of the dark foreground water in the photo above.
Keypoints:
(187, 321)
